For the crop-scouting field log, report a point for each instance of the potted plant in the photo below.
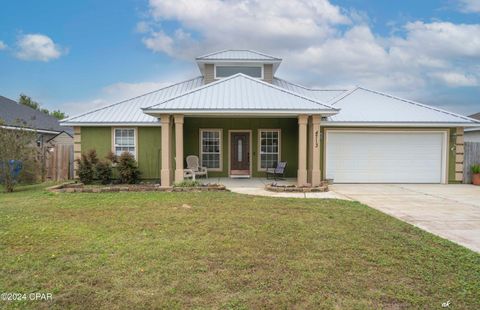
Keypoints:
(476, 174)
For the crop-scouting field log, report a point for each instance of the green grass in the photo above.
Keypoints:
(223, 250)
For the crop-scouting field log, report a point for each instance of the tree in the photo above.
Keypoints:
(18, 152)
(27, 101)
(58, 114)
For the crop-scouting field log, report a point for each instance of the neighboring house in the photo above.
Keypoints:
(240, 119)
(55, 142)
(473, 134)
(49, 132)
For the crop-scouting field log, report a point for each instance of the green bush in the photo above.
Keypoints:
(104, 171)
(476, 169)
(86, 166)
(128, 169)
(188, 183)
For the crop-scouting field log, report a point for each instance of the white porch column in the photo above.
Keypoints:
(302, 150)
(165, 175)
(178, 147)
(315, 144)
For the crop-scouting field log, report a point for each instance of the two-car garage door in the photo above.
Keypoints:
(385, 156)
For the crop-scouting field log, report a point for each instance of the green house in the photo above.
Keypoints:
(239, 119)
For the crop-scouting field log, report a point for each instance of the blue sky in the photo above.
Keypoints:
(78, 55)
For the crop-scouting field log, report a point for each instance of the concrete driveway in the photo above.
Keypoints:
(449, 211)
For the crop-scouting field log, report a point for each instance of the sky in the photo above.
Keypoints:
(79, 55)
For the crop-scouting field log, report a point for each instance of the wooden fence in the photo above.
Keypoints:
(472, 157)
(59, 162)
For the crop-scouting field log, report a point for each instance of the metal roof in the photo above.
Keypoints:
(324, 95)
(15, 114)
(238, 55)
(362, 105)
(130, 111)
(240, 93)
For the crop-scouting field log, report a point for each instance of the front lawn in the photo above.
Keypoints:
(223, 250)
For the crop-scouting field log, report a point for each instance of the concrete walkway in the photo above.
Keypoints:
(449, 211)
(256, 186)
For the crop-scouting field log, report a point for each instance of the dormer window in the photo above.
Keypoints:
(223, 71)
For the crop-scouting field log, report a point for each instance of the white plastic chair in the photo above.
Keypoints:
(193, 164)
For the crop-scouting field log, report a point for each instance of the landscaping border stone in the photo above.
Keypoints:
(273, 187)
(81, 188)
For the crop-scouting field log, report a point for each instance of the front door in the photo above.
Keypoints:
(240, 153)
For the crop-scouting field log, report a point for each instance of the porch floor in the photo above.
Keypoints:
(256, 186)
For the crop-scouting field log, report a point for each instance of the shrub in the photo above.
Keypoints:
(188, 183)
(476, 169)
(112, 157)
(128, 169)
(86, 166)
(104, 171)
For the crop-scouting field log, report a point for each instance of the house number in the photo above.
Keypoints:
(316, 138)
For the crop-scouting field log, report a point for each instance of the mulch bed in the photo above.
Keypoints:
(274, 187)
(81, 188)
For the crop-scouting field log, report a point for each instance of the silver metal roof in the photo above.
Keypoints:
(129, 111)
(241, 93)
(362, 105)
(238, 55)
(324, 95)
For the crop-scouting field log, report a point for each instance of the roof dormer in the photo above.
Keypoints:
(226, 63)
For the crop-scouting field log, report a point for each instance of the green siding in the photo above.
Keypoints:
(149, 151)
(451, 155)
(289, 138)
(149, 144)
(97, 138)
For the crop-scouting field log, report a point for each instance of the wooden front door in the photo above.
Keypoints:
(240, 153)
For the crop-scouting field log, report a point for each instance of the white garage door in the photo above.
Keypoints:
(385, 157)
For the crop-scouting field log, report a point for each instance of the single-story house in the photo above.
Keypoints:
(240, 119)
(51, 138)
(473, 134)
(49, 132)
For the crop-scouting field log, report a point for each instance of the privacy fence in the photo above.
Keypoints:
(59, 162)
(472, 157)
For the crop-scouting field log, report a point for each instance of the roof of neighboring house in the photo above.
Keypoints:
(12, 113)
(130, 111)
(475, 116)
(324, 95)
(363, 105)
(238, 55)
(240, 94)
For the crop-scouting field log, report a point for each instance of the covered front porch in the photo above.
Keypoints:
(242, 147)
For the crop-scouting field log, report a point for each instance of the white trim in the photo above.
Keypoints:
(30, 129)
(90, 124)
(218, 112)
(261, 66)
(279, 153)
(394, 124)
(445, 146)
(230, 131)
(200, 151)
(135, 140)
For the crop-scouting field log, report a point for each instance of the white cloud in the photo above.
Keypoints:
(37, 47)
(469, 6)
(2, 45)
(322, 44)
(456, 79)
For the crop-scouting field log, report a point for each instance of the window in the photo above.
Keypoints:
(269, 148)
(226, 71)
(124, 141)
(211, 149)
